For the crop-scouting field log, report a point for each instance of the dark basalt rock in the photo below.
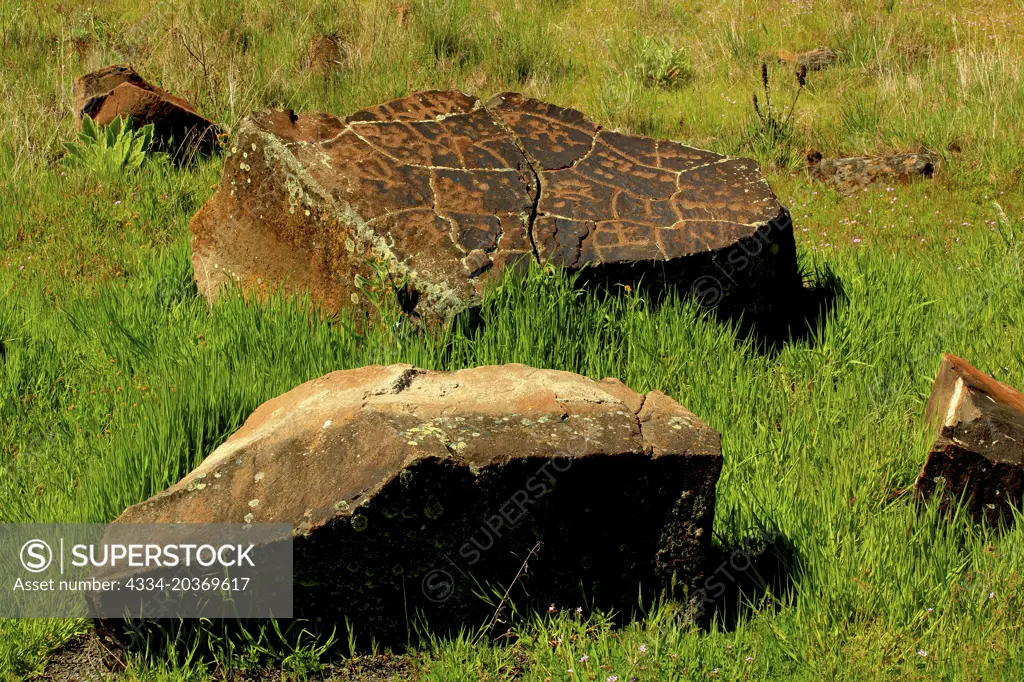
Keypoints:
(978, 453)
(119, 91)
(447, 192)
(611, 198)
(409, 489)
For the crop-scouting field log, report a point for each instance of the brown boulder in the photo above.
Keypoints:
(119, 91)
(812, 60)
(407, 486)
(978, 453)
(446, 192)
(853, 173)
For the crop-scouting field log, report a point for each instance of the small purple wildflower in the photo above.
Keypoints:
(584, 658)
(922, 653)
(643, 648)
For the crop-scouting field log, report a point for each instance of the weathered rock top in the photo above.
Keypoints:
(407, 489)
(956, 369)
(320, 450)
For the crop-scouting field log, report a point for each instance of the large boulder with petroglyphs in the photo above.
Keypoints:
(409, 490)
(443, 192)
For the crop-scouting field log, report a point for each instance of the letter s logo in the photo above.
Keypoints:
(36, 556)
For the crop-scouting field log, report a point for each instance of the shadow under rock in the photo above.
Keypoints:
(743, 578)
(793, 316)
(769, 311)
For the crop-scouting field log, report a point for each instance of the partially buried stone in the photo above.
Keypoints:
(857, 172)
(118, 90)
(409, 490)
(978, 452)
(812, 60)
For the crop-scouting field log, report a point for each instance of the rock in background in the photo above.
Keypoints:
(853, 173)
(978, 453)
(409, 489)
(445, 192)
(812, 60)
(119, 91)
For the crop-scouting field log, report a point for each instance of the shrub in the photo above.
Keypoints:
(770, 132)
(109, 150)
(654, 62)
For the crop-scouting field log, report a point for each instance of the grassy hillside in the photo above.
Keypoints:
(116, 378)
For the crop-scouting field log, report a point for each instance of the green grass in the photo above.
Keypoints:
(116, 378)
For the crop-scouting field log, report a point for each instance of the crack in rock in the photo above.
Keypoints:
(447, 191)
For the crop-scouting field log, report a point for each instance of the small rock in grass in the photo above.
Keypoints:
(853, 173)
(812, 60)
(118, 90)
(978, 453)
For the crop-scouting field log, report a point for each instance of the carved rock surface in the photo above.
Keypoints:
(979, 446)
(406, 486)
(119, 91)
(446, 192)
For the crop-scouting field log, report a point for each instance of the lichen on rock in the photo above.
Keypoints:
(446, 192)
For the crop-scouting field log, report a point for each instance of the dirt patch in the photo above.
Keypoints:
(80, 660)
